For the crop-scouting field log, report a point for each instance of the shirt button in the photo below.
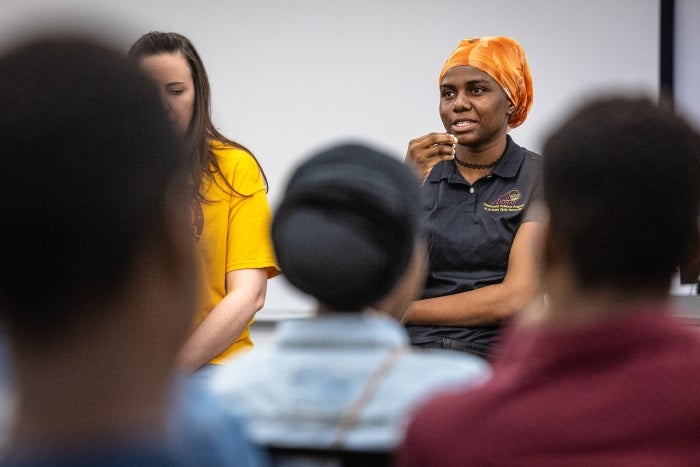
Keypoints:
(471, 190)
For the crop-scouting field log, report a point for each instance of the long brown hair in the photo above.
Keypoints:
(201, 133)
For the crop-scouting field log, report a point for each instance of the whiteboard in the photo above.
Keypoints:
(289, 77)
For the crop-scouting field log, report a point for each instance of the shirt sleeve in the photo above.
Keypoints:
(250, 217)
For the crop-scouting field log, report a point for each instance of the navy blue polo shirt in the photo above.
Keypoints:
(471, 229)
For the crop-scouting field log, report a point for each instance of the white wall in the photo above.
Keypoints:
(687, 59)
(290, 76)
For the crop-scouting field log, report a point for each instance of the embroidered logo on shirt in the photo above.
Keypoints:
(507, 202)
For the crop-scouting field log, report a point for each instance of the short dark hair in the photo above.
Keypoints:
(348, 225)
(622, 184)
(86, 159)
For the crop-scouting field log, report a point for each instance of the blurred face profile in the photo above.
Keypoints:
(172, 75)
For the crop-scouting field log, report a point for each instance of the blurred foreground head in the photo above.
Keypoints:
(622, 185)
(348, 231)
(90, 191)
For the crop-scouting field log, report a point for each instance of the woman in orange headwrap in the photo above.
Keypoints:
(477, 188)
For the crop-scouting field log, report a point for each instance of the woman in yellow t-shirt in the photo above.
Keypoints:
(230, 211)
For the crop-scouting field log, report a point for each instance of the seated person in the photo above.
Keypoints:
(349, 234)
(602, 373)
(96, 261)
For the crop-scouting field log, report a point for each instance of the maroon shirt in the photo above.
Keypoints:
(625, 392)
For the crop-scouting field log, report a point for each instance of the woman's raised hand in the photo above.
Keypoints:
(426, 151)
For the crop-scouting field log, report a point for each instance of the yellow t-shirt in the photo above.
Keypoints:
(233, 232)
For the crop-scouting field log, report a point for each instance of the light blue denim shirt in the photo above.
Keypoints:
(202, 434)
(296, 393)
(199, 434)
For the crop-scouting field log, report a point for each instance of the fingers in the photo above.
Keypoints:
(440, 138)
(431, 145)
(426, 151)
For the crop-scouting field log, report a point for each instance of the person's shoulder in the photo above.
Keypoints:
(677, 341)
(445, 409)
(242, 373)
(461, 376)
(531, 156)
(207, 429)
(239, 166)
(230, 153)
(527, 154)
(532, 164)
(450, 366)
(441, 419)
(113, 458)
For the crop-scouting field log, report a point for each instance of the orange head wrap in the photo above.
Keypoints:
(504, 60)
